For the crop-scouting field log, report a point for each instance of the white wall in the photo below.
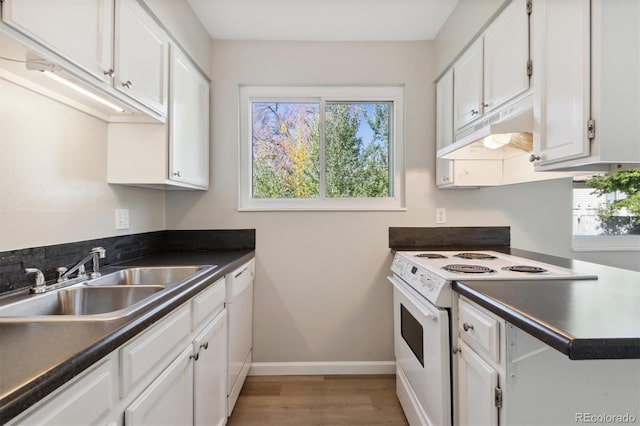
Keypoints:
(321, 292)
(53, 173)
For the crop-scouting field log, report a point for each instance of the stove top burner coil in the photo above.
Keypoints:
(431, 256)
(468, 269)
(483, 256)
(528, 269)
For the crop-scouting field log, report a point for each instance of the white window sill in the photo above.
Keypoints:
(606, 243)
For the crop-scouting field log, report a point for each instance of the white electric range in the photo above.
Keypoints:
(422, 299)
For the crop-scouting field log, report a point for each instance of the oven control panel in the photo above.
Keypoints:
(434, 289)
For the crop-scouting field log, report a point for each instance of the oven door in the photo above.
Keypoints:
(421, 343)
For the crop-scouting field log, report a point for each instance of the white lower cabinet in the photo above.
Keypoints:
(506, 376)
(210, 373)
(477, 382)
(169, 398)
(86, 400)
(173, 373)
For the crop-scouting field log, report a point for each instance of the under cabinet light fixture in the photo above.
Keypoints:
(83, 91)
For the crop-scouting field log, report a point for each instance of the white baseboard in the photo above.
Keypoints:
(321, 368)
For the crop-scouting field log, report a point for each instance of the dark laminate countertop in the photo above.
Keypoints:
(38, 357)
(584, 319)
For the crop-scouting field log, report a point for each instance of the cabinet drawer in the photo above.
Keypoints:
(146, 352)
(207, 303)
(479, 330)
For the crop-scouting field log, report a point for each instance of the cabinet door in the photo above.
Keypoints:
(169, 399)
(81, 31)
(141, 56)
(477, 382)
(85, 401)
(444, 126)
(188, 123)
(444, 110)
(467, 91)
(561, 34)
(506, 53)
(210, 373)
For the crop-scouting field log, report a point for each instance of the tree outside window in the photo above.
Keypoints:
(607, 204)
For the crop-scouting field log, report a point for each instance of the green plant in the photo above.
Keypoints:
(624, 181)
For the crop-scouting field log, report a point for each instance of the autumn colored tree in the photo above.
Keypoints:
(286, 149)
(285, 142)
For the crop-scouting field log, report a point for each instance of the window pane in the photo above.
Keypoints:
(357, 149)
(285, 145)
(607, 204)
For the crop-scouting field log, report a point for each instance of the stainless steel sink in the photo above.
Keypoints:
(81, 301)
(110, 296)
(147, 276)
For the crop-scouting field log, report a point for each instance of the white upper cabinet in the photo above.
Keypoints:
(562, 80)
(108, 47)
(141, 56)
(444, 125)
(188, 122)
(79, 30)
(587, 90)
(467, 92)
(506, 56)
(495, 68)
(176, 154)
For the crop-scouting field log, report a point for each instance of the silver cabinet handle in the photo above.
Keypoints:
(466, 326)
(204, 346)
(127, 84)
(456, 350)
(475, 112)
(109, 72)
(195, 356)
(485, 105)
(177, 174)
(533, 158)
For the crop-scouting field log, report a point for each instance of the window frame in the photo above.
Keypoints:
(390, 93)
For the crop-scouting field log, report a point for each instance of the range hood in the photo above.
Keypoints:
(505, 134)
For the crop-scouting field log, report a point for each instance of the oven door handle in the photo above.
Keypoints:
(419, 305)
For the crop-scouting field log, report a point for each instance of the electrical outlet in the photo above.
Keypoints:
(122, 218)
(441, 215)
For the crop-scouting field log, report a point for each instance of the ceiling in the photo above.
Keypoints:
(323, 20)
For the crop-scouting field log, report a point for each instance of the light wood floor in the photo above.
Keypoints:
(318, 400)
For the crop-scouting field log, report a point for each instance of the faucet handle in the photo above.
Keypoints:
(100, 251)
(61, 270)
(40, 281)
(81, 271)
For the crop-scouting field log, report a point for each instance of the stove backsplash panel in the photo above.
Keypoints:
(453, 238)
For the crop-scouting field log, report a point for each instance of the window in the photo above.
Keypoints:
(321, 148)
(606, 211)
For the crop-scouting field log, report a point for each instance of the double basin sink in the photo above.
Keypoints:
(110, 296)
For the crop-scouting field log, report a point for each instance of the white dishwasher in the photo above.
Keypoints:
(239, 304)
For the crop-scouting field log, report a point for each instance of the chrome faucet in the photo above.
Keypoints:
(63, 273)
(96, 254)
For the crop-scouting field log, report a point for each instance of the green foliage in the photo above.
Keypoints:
(628, 182)
(286, 150)
(355, 169)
